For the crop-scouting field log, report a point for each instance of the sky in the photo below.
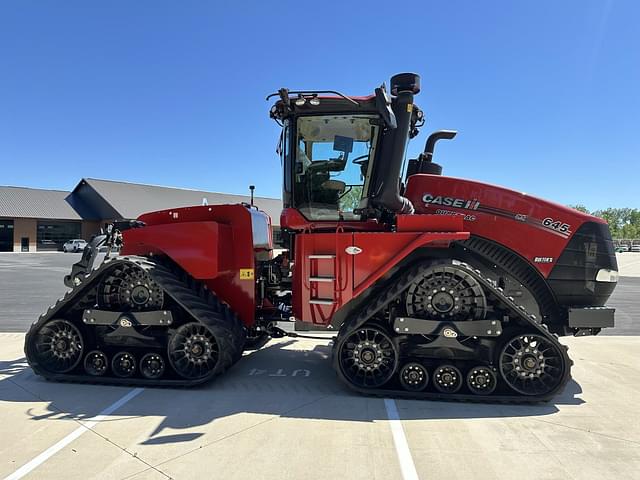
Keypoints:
(545, 94)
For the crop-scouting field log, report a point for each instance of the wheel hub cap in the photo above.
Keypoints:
(442, 302)
(368, 356)
(140, 294)
(197, 349)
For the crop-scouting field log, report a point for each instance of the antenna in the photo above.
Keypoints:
(252, 188)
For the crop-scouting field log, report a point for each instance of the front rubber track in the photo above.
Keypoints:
(393, 292)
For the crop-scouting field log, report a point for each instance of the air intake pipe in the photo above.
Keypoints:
(387, 179)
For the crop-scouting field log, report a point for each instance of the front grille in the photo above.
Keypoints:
(573, 277)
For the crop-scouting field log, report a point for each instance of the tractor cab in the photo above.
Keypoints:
(342, 156)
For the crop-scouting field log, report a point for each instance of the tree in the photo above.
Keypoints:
(351, 198)
(580, 208)
(623, 222)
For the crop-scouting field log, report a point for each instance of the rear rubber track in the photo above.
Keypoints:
(191, 295)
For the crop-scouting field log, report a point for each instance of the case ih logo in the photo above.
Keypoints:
(430, 199)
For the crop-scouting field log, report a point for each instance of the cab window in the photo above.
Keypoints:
(332, 164)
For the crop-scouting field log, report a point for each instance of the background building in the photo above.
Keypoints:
(40, 220)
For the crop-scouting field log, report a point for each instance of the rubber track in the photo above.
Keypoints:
(392, 292)
(190, 294)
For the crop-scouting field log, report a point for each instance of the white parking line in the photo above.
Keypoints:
(407, 467)
(85, 426)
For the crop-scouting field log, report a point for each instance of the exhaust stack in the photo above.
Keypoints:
(386, 190)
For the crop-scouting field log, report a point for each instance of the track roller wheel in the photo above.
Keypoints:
(123, 365)
(367, 357)
(481, 380)
(152, 366)
(531, 364)
(193, 351)
(96, 363)
(414, 377)
(447, 379)
(58, 346)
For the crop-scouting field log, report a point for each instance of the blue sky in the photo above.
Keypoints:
(545, 95)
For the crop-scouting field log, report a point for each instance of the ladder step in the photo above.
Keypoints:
(321, 301)
(322, 257)
(321, 279)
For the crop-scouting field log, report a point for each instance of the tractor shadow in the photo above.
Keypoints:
(286, 378)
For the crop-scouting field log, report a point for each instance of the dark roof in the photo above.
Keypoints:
(130, 200)
(24, 202)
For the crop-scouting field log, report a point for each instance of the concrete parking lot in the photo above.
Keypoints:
(280, 413)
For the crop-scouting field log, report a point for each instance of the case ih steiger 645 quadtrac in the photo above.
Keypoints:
(437, 287)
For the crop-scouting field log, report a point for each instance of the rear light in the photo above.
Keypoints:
(607, 275)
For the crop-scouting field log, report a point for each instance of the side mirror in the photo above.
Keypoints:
(383, 105)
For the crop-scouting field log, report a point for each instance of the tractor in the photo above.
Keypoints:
(436, 287)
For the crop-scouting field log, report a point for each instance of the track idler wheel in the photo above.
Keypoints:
(531, 364)
(414, 377)
(193, 351)
(367, 357)
(481, 380)
(123, 365)
(447, 379)
(152, 366)
(58, 346)
(96, 363)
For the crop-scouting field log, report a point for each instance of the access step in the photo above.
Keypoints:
(321, 301)
(322, 279)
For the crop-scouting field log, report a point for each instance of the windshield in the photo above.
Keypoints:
(332, 164)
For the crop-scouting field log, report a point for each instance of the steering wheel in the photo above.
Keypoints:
(361, 159)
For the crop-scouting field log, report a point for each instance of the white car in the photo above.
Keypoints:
(635, 248)
(76, 245)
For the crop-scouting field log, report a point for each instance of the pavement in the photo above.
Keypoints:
(280, 413)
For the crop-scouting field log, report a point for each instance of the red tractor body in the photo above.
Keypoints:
(536, 229)
(216, 244)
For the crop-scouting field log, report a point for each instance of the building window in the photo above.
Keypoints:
(277, 236)
(52, 235)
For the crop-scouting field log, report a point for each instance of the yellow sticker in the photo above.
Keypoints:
(246, 274)
(409, 107)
